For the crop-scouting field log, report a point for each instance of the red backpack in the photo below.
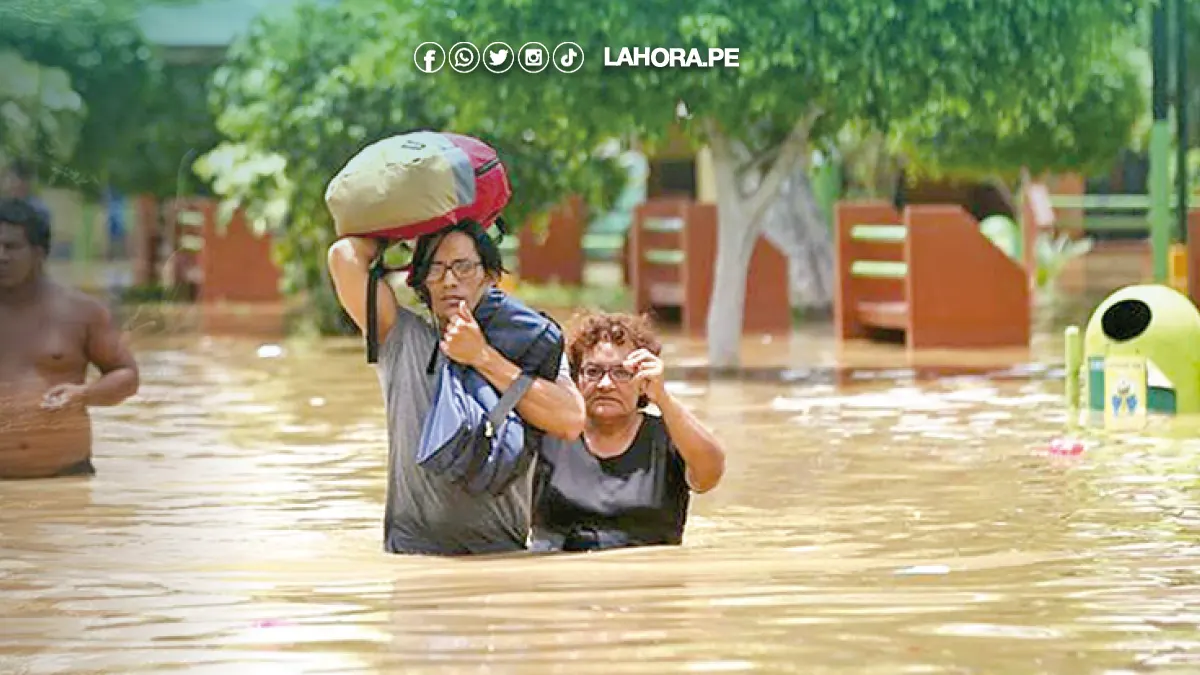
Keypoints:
(413, 184)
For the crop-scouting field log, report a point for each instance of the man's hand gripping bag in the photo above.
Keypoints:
(473, 436)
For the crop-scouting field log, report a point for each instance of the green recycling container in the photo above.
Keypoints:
(1156, 323)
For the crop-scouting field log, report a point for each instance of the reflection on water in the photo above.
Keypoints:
(886, 527)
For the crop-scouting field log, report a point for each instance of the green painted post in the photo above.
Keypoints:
(1160, 145)
(1160, 198)
(1073, 348)
(1181, 120)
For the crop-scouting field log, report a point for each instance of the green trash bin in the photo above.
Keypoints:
(1151, 322)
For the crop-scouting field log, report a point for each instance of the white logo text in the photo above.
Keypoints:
(672, 57)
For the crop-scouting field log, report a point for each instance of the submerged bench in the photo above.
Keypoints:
(928, 273)
(672, 251)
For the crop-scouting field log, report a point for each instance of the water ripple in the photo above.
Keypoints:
(884, 526)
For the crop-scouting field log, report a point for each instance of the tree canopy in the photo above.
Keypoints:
(140, 116)
(1074, 114)
(40, 113)
(960, 85)
(301, 93)
(963, 86)
(110, 65)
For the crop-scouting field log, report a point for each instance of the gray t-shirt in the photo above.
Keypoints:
(428, 514)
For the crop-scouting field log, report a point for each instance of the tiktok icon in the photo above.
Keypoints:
(568, 57)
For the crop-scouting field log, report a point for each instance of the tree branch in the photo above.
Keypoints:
(760, 137)
(753, 162)
(745, 166)
(790, 152)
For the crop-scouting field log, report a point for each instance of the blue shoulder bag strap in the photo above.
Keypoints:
(508, 401)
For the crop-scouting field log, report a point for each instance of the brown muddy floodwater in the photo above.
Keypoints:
(892, 526)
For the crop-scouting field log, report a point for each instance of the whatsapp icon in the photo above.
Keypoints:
(464, 57)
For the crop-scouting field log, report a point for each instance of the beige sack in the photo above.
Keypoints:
(401, 187)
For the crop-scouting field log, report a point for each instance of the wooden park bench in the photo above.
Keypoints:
(929, 274)
(672, 253)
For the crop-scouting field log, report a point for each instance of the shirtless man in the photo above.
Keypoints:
(49, 335)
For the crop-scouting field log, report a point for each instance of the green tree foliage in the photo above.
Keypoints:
(1077, 120)
(40, 114)
(177, 127)
(110, 65)
(301, 93)
(142, 116)
(292, 111)
(1007, 81)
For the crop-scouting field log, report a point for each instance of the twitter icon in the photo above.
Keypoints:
(498, 57)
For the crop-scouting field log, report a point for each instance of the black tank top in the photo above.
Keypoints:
(584, 502)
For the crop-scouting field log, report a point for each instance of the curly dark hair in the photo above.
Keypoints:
(589, 329)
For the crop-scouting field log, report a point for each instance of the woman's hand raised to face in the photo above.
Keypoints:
(648, 369)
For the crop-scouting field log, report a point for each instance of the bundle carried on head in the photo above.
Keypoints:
(417, 183)
(411, 185)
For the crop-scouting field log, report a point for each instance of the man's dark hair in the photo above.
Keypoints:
(21, 213)
(487, 248)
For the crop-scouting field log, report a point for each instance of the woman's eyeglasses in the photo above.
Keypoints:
(594, 373)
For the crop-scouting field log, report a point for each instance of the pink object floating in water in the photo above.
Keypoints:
(1066, 447)
(270, 623)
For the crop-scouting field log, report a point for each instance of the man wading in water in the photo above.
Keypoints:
(49, 335)
(427, 514)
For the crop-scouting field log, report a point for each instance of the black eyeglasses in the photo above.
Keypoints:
(594, 373)
(463, 269)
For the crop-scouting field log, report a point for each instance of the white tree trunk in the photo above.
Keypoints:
(795, 225)
(740, 214)
(727, 307)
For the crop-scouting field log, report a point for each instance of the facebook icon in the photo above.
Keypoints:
(429, 57)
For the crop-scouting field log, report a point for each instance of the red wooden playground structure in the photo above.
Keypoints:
(557, 254)
(929, 273)
(225, 269)
(671, 258)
